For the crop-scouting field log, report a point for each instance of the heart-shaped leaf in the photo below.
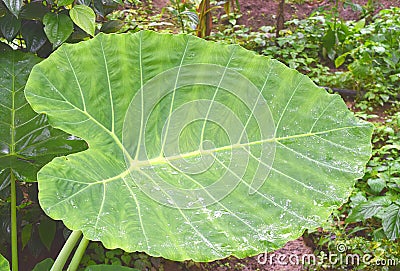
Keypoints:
(58, 27)
(27, 141)
(84, 17)
(10, 26)
(198, 150)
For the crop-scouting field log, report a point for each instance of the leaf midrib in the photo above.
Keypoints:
(165, 160)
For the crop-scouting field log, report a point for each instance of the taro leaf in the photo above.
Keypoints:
(4, 265)
(58, 27)
(84, 17)
(14, 6)
(198, 150)
(27, 142)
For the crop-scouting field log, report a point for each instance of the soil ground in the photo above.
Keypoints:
(256, 13)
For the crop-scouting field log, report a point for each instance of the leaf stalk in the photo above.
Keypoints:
(66, 251)
(14, 237)
(76, 259)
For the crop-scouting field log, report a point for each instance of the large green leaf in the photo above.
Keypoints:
(4, 265)
(27, 141)
(198, 150)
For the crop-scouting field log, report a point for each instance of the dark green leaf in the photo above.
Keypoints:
(4, 265)
(98, 7)
(368, 209)
(45, 50)
(4, 180)
(112, 26)
(104, 267)
(47, 231)
(58, 27)
(26, 234)
(10, 26)
(34, 11)
(84, 2)
(193, 155)
(3, 9)
(3, 48)
(376, 185)
(329, 40)
(391, 222)
(79, 35)
(84, 17)
(120, 2)
(27, 142)
(64, 2)
(14, 6)
(33, 34)
(5, 223)
(44, 265)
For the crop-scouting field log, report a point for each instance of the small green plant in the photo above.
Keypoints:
(40, 27)
(185, 13)
(368, 225)
(380, 197)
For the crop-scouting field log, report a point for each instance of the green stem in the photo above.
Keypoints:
(76, 259)
(66, 251)
(180, 15)
(14, 238)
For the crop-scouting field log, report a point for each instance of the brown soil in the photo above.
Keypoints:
(256, 13)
